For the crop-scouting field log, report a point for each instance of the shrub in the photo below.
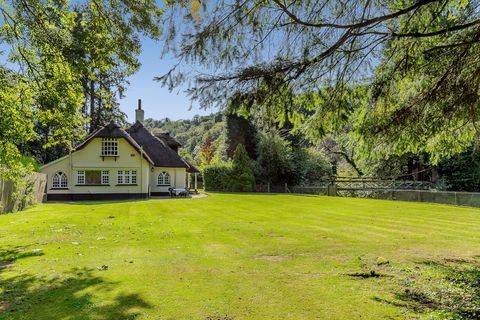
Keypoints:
(241, 177)
(237, 176)
(216, 177)
(274, 163)
(309, 166)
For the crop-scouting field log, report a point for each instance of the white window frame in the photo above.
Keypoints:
(105, 177)
(120, 177)
(59, 180)
(133, 177)
(127, 177)
(163, 179)
(109, 147)
(81, 179)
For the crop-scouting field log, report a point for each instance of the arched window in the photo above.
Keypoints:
(163, 179)
(59, 180)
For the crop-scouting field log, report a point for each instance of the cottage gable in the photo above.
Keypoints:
(110, 135)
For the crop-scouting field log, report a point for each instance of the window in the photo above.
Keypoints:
(92, 177)
(163, 179)
(105, 177)
(81, 177)
(59, 180)
(109, 147)
(120, 177)
(127, 177)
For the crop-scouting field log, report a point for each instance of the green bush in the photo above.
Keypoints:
(216, 177)
(243, 183)
(241, 177)
(237, 176)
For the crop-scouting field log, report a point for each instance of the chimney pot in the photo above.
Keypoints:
(139, 113)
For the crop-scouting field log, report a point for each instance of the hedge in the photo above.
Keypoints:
(217, 177)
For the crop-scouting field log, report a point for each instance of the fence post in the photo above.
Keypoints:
(332, 188)
(268, 187)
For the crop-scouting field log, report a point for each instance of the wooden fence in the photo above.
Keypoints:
(31, 192)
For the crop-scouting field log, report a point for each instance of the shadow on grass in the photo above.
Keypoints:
(449, 289)
(68, 295)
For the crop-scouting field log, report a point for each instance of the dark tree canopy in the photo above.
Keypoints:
(240, 131)
(420, 60)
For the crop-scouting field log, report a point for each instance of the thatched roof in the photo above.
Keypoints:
(168, 139)
(191, 168)
(157, 149)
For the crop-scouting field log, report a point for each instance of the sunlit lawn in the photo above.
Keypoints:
(228, 256)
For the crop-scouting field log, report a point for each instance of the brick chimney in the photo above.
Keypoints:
(139, 113)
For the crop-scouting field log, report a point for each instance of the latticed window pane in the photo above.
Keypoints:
(167, 178)
(59, 180)
(81, 177)
(163, 179)
(160, 180)
(105, 177)
(120, 177)
(126, 177)
(133, 177)
(109, 147)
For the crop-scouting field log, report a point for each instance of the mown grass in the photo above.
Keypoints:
(228, 256)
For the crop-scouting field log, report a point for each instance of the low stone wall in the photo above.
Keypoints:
(30, 193)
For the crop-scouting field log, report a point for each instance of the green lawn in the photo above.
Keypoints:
(228, 256)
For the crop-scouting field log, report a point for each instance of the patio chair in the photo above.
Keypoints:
(183, 193)
(172, 194)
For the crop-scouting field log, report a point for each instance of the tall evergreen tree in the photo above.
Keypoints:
(242, 177)
(240, 131)
(420, 57)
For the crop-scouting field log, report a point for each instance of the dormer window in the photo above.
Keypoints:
(109, 147)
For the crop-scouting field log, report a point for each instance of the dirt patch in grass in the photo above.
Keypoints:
(218, 318)
(369, 274)
(273, 258)
(4, 264)
(4, 305)
(448, 287)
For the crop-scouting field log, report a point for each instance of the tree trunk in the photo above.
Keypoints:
(93, 125)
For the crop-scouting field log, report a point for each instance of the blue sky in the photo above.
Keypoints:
(158, 102)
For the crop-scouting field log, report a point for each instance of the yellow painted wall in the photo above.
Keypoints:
(177, 178)
(90, 158)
